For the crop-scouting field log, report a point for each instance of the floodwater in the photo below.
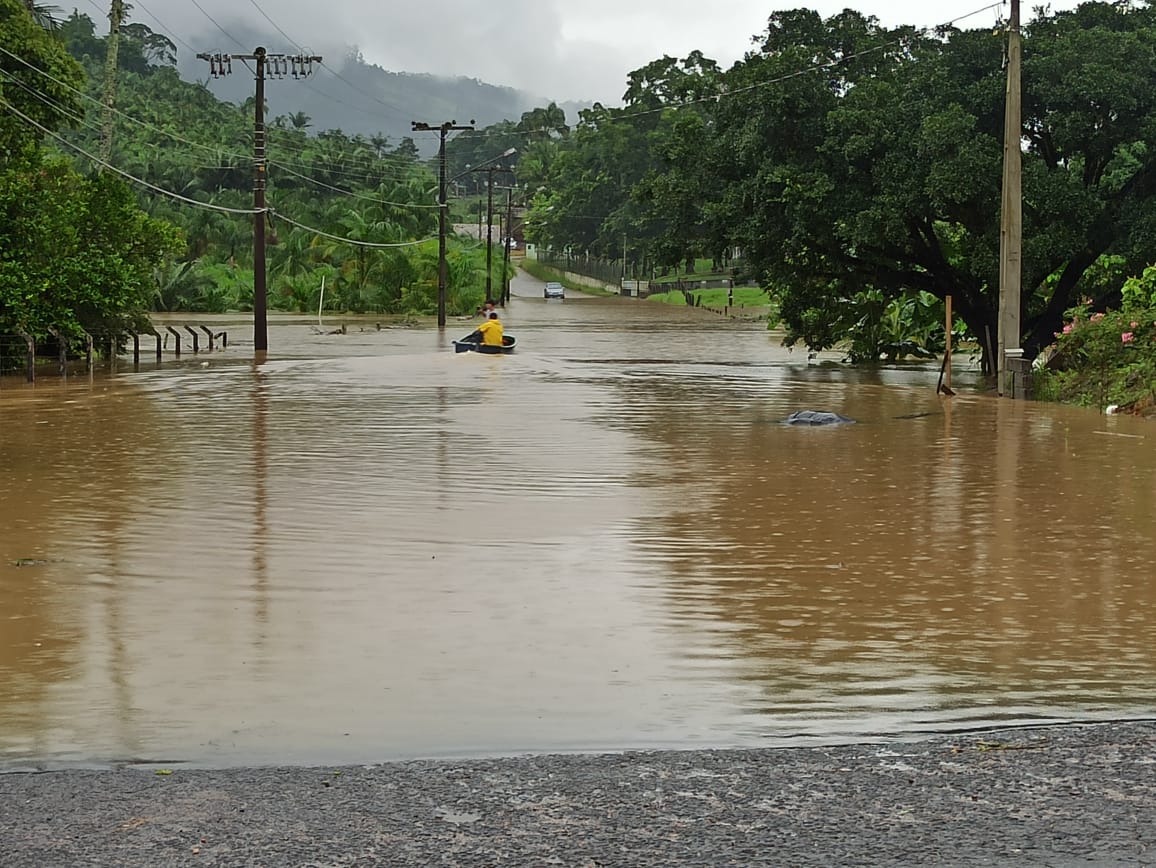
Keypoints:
(368, 548)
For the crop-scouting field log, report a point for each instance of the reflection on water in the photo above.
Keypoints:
(368, 547)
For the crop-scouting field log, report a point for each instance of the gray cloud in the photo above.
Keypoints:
(558, 49)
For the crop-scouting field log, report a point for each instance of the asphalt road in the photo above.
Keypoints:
(1060, 796)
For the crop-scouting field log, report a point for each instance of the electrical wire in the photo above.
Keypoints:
(83, 120)
(401, 113)
(162, 26)
(205, 205)
(278, 215)
(121, 172)
(216, 150)
(618, 115)
(393, 108)
(228, 35)
(317, 183)
(289, 38)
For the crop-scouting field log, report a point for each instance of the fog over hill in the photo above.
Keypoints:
(349, 94)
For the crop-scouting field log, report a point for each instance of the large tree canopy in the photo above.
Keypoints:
(845, 158)
(76, 253)
(27, 51)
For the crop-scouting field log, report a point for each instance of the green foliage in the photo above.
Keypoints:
(1104, 358)
(35, 49)
(79, 256)
(743, 296)
(890, 330)
(1140, 292)
(877, 175)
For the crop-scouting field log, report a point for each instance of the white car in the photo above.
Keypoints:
(554, 290)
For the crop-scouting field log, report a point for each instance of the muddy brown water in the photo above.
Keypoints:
(367, 547)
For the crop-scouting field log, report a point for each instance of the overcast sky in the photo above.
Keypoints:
(559, 49)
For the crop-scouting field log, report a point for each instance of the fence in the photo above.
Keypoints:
(19, 354)
(601, 270)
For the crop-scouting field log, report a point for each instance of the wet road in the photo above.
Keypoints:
(368, 547)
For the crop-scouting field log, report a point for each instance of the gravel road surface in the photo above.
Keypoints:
(1056, 796)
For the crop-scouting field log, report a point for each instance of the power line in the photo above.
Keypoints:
(317, 183)
(395, 109)
(228, 35)
(288, 38)
(121, 172)
(369, 168)
(279, 65)
(628, 115)
(323, 234)
(205, 205)
(161, 24)
(443, 129)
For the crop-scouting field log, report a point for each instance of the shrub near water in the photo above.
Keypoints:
(1108, 358)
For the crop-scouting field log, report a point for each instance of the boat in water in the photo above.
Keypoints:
(473, 344)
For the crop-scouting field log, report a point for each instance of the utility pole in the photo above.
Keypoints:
(115, 19)
(276, 66)
(1011, 213)
(489, 231)
(444, 130)
(506, 246)
(489, 170)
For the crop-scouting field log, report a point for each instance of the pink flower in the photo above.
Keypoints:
(1068, 328)
(1126, 337)
(1096, 317)
(1134, 324)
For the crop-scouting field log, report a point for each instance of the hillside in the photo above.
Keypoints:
(366, 99)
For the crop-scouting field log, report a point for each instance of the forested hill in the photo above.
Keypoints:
(348, 94)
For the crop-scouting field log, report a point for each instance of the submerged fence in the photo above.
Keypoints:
(20, 354)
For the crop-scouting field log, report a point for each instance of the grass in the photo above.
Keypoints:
(744, 296)
(544, 272)
(703, 270)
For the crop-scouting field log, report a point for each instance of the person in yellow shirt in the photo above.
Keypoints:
(491, 331)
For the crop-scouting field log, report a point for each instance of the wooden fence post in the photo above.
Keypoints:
(30, 359)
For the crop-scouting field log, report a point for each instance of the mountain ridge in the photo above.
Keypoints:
(357, 97)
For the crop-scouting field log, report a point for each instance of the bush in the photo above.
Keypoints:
(1108, 357)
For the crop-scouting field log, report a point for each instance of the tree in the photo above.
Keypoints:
(34, 62)
(86, 255)
(879, 170)
(44, 15)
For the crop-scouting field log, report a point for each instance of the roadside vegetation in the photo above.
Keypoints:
(544, 272)
(87, 251)
(857, 170)
(1107, 358)
(850, 171)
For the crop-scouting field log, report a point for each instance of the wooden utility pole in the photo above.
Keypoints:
(1011, 214)
(275, 66)
(489, 170)
(507, 236)
(490, 230)
(444, 130)
(115, 19)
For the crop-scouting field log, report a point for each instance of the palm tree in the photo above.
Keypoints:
(300, 120)
(43, 14)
